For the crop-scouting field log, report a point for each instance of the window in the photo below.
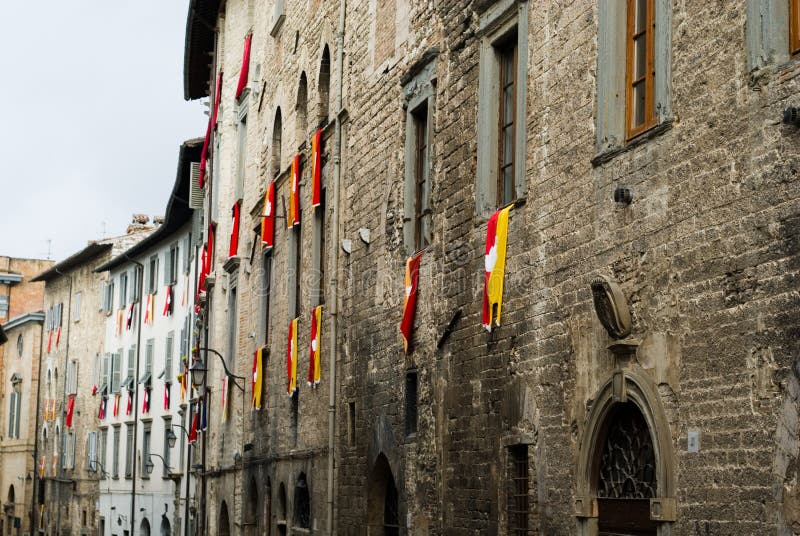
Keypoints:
(103, 447)
(168, 351)
(131, 375)
(295, 402)
(3, 305)
(152, 282)
(266, 290)
(171, 266)
(324, 85)
(108, 305)
(76, 307)
(233, 324)
(136, 287)
(411, 402)
(318, 255)
(351, 423)
(295, 258)
(167, 449)
(116, 365)
(145, 446)
(185, 339)
(420, 96)
(503, 30)
(14, 410)
(518, 501)
(72, 377)
(148, 358)
(20, 345)
(633, 72)
(91, 451)
(794, 27)
(640, 111)
(302, 503)
(241, 148)
(115, 452)
(69, 451)
(128, 450)
(302, 109)
(123, 289)
(187, 254)
(277, 134)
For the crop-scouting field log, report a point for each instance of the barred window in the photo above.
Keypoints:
(518, 503)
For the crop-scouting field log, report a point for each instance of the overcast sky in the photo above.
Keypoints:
(92, 118)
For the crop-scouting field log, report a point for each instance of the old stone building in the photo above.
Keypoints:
(21, 304)
(644, 375)
(66, 458)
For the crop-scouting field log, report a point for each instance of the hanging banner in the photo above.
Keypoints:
(314, 367)
(495, 264)
(410, 299)
(268, 218)
(291, 358)
(316, 169)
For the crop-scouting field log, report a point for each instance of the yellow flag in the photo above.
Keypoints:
(291, 357)
(257, 378)
(495, 265)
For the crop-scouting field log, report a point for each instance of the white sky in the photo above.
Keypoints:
(92, 116)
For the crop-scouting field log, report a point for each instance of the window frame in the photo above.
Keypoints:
(503, 49)
(794, 28)
(518, 516)
(650, 117)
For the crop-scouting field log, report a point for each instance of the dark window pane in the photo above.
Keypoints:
(641, 15)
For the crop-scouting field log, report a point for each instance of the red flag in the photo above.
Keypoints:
(268, 218)
(212, 124)
(102, 414)
(193, 429)
(245, 66)
(49, 340)
(410, 299)
(217, 98)
(58, 336)
(234, 248)
(116, 406)
(129, 406)
(316, 169)
(166, 396)
(293, 217)
(146, 400)
(94, 389)
(314, 368)
(129, 319)
(70, 410)
(168, 301)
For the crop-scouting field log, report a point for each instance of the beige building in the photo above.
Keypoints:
(21, 315)
(67, 471)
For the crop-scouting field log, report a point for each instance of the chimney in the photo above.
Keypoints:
(138, 223)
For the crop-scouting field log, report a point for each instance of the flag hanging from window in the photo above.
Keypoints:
(49, 340)
(410, 299)
(234, 246)
(212, 125)
(245, 66)
(41, 469)
(147, 301)
(94, 389)
(116, 405)
(129, 317)
(224, 396)
(54, 467)
(129, 406)
(182, 381)
(268, 218)
(314, 367)
(217, 98)
(258, 371)
(291, 357)
(120, 322)
(193, 428)
(70, 410)
(316, 169)
(167, 387)
(495, 264)
(293, 216)
(102, 414)
(58, 336)
(146, 399)
(168, 301)
(205, 269)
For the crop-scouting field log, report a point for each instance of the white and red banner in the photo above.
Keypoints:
(268, 218)
(410, 299)
(316, 169)
(314, 367)
(495, 264)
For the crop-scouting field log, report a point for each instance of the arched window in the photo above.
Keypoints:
(166, 529)
(277, 135)
(383, 507)
(252, 519)
(267, 523)
(302, 503)
(224, 528)
(324, 85)
(11, 495)
(302, 108)
(281, 510)
(144, 528)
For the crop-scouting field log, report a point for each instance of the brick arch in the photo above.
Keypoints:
(634, 386)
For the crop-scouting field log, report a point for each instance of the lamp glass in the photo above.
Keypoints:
(198, 371)
(149, 466)
(171, 438)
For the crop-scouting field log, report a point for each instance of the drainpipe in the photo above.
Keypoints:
(334, 283)
(35, 497)
(140, 292)
(63, 429)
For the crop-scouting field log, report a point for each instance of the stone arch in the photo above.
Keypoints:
(383, 504)
(627, 386)
(166, 529)
(282, 521)
(252, 521)
(11, 495)
(224, 525)
(144, 528)
(301, 108)
(324, 85)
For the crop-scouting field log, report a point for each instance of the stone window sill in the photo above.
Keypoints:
(609, 154)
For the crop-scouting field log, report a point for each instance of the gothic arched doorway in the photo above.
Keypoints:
(144, 528)
(626, 469)
(252, 519)
(224, 526)
(383, 508)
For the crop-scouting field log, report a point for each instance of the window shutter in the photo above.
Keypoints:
(116, 361)
(12, 405)
(196, 194)
(167, 274)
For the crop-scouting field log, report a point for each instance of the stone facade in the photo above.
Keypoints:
(706, 256)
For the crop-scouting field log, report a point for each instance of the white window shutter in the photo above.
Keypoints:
(196, 194)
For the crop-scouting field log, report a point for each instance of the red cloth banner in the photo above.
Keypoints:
(495, 266)
(166, 396)
(236, 213)
(146, 400)
(316, 169)
(268, 218)
(314, 368)
(193, 428)
(168, 301)
(410, 299)
(293, 217)
(115, 412)
(217, 98)
(70, 410)
(245, 66)
(129, 406)
(212, 124)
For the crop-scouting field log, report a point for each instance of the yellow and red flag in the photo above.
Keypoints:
(293, 216)
(182, 380)
(291, 358)
(41, 468)
(258, 375)
(495, 265)
(268, 218)
(316, 169)
(314, 367)
(410, 299)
